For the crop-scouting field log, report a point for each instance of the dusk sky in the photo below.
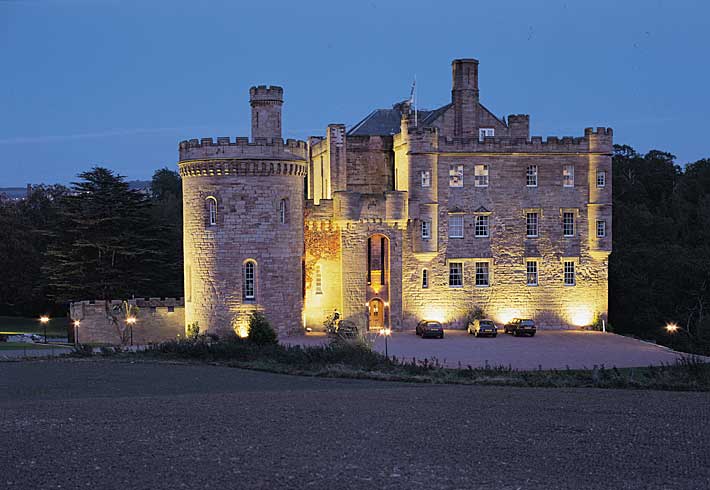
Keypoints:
(119, 83)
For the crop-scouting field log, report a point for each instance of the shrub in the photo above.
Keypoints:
(192, 331)
(260, 331)
(475, 313)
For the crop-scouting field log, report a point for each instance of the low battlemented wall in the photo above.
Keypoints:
(157, 319)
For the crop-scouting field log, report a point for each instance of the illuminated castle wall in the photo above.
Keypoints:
(407, 216)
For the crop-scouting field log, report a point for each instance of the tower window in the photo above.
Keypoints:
(426, 230)
(531, 176)
(480, 177)
(283, 211)
(425, 278)
(426, 178)
(601, 178)
(211, 211)
(249, 280)
(601, 228)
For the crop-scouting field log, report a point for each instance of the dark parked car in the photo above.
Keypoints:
(430, 328)
(346, 329)
(480, 328)
(518, 326)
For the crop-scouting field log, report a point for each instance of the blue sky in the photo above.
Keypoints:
(119, 83)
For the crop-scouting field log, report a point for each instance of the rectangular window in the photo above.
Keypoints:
(455, 274)
(601, 228)
(480, 176)
(455, 175)
(426, 178)
(601, 178)
(531, 275)
(531, 225)
(481, 226)
(456, 226)
(319, 280)
(568, 176)
(569, 274)
(531, 176)
(568, 224)
(426, 230)
(425, 278)
(486, 133)
(482, 274)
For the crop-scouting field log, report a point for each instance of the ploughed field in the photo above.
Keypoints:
(117, 424)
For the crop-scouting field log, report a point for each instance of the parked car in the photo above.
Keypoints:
(430, 328)
(483, 327)
(518, 326)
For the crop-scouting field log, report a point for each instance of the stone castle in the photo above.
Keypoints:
(408, 215)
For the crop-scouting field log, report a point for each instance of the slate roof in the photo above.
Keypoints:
(385, 122)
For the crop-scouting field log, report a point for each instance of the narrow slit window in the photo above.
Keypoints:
(211, 211)
(249, 280)
(425, 278)
(319, 280)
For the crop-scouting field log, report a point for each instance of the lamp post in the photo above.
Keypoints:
(386, 332)
(131, 320)
(672, 328)
(44, 320)
(76, 331)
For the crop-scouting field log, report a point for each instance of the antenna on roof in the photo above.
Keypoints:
(413, 99)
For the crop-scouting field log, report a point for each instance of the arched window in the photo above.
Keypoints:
(211, 211)
(249, 279)
(283, 211)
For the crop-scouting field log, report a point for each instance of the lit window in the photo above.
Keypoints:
(482, 274)
(568, 176)
(531, 220)
(601, 228)
(425, 278)
(426, 229)
(531, 276)
(568, 224)
(455, 175)
(319, 280)
(601, 178)
(249, 279)
(455, 274)
(283, 210)
(486, 133)
(531, 176)
(569, 274)
(426, 178)
(456, 226)
(480, 176)
(481, 226)
(212, 211)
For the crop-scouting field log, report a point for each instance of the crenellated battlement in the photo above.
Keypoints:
(242, 147)
(593, 141)
(266, 93)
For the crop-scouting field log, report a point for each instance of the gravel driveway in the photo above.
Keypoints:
(550, 349)
(117, 425)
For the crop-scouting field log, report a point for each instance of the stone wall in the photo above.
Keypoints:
(157, 319)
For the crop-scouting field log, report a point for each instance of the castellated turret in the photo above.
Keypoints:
(243, 224)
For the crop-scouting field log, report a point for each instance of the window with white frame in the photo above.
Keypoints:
(426, 229)
(568, 224)
(319, 280)
(455, 274)
(568, 176)
(601, 228)
(531, 273)
(569, 273)
(601, 178)
(425, 278)
(211, 211)
(480, 176)
(531, 225)
(283, 211)
(456, 226)
(531, 176)
(482, 274)
(481, 226)
(426, 178)
(456, 175)
(486, 133)
(249, 279)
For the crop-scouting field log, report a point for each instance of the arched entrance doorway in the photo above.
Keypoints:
(377, 314)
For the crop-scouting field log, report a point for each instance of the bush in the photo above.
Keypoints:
(192, 331)
(260, 331)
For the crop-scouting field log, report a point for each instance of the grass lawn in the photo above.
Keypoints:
(57, 327)
(24, 345)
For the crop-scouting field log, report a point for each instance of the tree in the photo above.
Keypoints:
(166, 213)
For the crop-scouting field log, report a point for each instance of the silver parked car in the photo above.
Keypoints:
(483, 327)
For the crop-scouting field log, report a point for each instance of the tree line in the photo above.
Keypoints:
(99, 239)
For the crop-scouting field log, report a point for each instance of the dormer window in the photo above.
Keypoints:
(486, 133)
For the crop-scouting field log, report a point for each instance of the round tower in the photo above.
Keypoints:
(243, 230)
(266, 105)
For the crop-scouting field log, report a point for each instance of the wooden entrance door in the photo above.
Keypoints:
(377, 314)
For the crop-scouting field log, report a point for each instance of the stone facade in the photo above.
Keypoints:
(387, 232)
